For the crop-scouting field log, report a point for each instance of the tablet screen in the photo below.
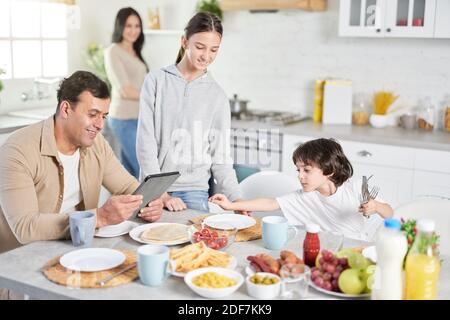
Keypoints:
(154, 186)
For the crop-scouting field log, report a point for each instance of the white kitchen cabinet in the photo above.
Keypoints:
(432, 174)
(442, 19)
(387, 18)
(428, 183)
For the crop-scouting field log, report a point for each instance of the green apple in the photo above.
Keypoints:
(351, 281)
(358, 261)
(345, 253)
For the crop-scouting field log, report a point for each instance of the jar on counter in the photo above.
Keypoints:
(426, 115)
(447, 119)
(446, 113)
(360, 112)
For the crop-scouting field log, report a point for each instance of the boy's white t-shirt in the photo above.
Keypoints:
(338, 212)
(72, 191)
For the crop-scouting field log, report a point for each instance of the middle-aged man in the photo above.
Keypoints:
(57, 166)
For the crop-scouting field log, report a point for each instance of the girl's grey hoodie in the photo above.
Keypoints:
(185, 126)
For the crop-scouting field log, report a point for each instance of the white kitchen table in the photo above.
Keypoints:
(20, 269)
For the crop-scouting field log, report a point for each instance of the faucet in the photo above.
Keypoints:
(36, 92)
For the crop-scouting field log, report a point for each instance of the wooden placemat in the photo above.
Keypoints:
(55, 272)
(247, 234)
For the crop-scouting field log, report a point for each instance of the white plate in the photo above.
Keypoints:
(370, 253)
(92, 259)
(116, 229)
(135, 234)
(339, 294)
(231, 266)
(237, 220)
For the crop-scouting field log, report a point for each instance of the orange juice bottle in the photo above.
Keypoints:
(422, 265)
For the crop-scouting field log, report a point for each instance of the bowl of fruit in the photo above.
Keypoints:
(218, 239)
(346, 273)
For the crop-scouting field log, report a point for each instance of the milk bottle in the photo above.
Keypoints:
(391, 247)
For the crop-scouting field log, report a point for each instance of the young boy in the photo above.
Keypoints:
(327, 198)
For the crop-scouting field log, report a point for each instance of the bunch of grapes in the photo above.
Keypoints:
(327, 275)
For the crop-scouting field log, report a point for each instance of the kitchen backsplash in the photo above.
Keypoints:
(273, 59)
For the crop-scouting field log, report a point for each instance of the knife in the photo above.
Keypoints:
(105, 280)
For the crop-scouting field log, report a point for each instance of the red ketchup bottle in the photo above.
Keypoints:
(311, 245)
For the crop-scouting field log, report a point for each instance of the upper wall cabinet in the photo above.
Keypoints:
(394, 18)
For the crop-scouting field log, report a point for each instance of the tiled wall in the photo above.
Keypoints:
(272, 59)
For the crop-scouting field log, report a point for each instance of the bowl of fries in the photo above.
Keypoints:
(214, 282)
(198, 255)
(217, 239)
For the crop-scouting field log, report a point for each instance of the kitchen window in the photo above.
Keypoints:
(33, 39)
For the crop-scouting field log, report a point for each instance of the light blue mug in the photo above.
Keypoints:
(275, 231)
(82, 228)
(154, 265)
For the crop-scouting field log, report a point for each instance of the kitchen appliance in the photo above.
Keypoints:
(337, 102)
(276, 118)
(257, 148)
(238, 107)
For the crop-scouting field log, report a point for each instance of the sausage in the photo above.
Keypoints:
(271, 262)
(255, 267)
(260, 262)
(288, 256)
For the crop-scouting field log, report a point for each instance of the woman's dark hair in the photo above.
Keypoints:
(201, 22)
(327, 155)
(71, 88)
(119, 26)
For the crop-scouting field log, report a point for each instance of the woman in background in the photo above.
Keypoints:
(126, 70)
(184, 120)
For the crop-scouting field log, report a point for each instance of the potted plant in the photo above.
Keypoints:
(96, 62)
(210, 6)
(1, 83)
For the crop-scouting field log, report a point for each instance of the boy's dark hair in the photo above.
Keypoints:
(70, 88)
(327, 155)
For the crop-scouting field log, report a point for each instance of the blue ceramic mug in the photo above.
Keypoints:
(82, 228)
(275, 231)
(154, 265)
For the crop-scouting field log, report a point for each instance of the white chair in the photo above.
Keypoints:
(434, 208)
(268, 184)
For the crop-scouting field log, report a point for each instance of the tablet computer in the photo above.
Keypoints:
(153, 187)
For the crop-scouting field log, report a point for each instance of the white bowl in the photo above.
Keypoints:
(214, 292)
(263, 291)
(378, 121)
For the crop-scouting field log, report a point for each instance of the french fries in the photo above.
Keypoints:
(198, 255)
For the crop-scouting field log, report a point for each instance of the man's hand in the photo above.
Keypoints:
(152, 211)
(172, 203)
(117, 209)
(222, 201)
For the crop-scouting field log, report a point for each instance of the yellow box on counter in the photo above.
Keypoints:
(318, 100)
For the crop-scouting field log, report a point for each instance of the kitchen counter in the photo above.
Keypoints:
(21, 118)
(396, 136)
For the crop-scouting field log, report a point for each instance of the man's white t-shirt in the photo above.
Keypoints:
(72, 191)
(338, 212)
